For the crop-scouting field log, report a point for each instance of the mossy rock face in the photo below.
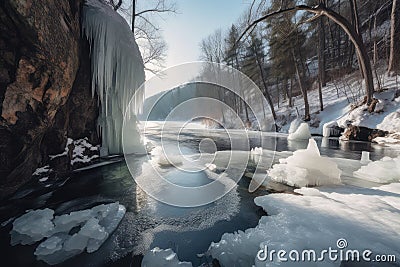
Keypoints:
(44, 70)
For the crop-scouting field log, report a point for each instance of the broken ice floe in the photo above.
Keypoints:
(306, 167)
(66, 235)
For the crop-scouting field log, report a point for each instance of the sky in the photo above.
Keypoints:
(195, 20)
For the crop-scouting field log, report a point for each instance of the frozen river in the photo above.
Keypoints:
(149, 223)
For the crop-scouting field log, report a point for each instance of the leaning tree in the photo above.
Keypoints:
(355, 37)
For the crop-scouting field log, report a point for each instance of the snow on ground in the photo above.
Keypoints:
(338, 98)
(365, 218)
(163, 258)
(92, 228)
(385, 170)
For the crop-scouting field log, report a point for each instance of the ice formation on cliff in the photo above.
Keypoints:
(117, 72)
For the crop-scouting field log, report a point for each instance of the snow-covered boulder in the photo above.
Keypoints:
(306, 167)
(93, 227)
(386, 170)
(163, 258)
(302, 133)
(331, 129)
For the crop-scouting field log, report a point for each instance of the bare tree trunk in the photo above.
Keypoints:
(394, 57)
(302, 89)
(356, 39)
(133, 15)
(266, 93)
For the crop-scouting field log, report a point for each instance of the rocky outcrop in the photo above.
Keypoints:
(360, 133)
(44, 86)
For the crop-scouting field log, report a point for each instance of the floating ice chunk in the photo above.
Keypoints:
(32, 227)
(302, 133)
(169, 160)
(163, 258)
(92, 226)
(365, 157)
(382, 171)
(294, 125)
(306, 167)
(211, 166)
(66, 222)
(257, 151)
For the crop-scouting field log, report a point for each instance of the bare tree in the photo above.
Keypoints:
(356, 39)
(394, 57)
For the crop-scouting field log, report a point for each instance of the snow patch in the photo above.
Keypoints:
(366, 218)
(382, 171)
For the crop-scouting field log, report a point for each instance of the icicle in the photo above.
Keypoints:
(117, 69)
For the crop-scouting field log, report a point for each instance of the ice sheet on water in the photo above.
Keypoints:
(93, 227)
(163, 258)
(386, 170)
(366, 218)
(306, 167)
(302, 133)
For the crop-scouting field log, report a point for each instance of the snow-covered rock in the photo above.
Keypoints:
(365, 218)
(163, 258)
(386, 170)
(306, 167)
(93, 227)
(331, 129)
(302, 133)
(82, 151)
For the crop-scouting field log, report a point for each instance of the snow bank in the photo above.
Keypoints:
(382, 171)
(169, 160)
(163, 258)
(92, 226)
(306, 167)
(365, 218)
(117, 70)
(302, 133)
(391, 122)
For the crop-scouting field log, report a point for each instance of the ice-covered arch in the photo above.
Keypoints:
(117, 70)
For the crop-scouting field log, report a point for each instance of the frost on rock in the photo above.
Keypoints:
(163, 258)
(302, 132)
(92, 228)
(368, 218)
(386, 170)
(306, 167)
(117, 72)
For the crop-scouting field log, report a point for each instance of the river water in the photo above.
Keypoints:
(149, 223)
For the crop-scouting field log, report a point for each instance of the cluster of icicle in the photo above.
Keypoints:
(117, 70)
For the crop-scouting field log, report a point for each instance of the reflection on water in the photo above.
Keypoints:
(148, 222)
